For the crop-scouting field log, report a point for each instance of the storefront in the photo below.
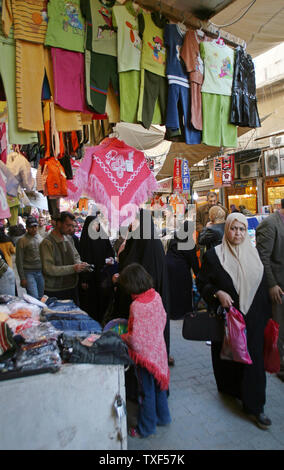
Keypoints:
(242, 193)
(274, 192)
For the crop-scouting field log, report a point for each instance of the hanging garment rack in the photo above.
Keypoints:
(191, 21)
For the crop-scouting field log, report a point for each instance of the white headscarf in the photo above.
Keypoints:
(242, 263)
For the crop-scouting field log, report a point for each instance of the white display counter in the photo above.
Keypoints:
(69, 410)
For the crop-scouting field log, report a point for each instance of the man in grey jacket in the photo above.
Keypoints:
(28, 260)
(270, 244)
(61, 262)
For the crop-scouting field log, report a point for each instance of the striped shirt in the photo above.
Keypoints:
(30, 20)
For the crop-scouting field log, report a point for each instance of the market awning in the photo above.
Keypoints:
(273, 125)
(258, 22)
(261, 27)
(192, 153)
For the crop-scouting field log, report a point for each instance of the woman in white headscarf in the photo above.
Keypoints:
(232, 274)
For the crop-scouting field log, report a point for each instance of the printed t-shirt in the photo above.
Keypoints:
(218, 68)
(129, 43)
(153, 56)
(30, 20)
(174, 37)
(104, 37)
(65, 27)
(191, 56)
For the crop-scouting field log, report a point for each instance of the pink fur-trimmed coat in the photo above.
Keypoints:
(145, 337)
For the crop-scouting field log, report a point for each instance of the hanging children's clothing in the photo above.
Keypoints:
(4, 207)
(153, 85)
(244, 103)
(69, 79)
(66, 25)
(129, 47)
(179, 88)
(32, 61)
(101, 52)
(216, 95)
(21, 169)
(8, 74)
(55, 179)
(194, 65)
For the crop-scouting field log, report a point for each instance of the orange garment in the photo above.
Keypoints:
(8, 250)
(55, 184)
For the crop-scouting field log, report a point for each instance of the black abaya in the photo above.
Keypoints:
(179, 265)
(246, 382)
(145, 249)
(94, 300)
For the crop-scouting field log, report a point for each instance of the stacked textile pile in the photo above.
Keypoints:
(27, 345)
(36, 338)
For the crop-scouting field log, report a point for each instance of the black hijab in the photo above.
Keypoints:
(3, 237)
(94, 251)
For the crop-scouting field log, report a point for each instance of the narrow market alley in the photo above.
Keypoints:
(203, 419)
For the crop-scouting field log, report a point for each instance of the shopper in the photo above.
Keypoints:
(245, 211)
(232, 274)
(233, 208)
(212, 234)
(73, 235)
(270, 245)
(95, 250)
(16, 232)
(7, 246)
(41, 226)
(144, 247)
(7, 277)
(181, 259)
(202, 215)
(28, 260)
(61, 263)
(147, 348)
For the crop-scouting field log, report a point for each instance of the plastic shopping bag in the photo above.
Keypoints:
(234, 346)
(271, 352)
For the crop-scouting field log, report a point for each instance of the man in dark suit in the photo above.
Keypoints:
(270, 244)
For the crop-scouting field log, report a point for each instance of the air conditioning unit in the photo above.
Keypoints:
(276, 141)
(272, 162)
(281, 158)
(249, 170)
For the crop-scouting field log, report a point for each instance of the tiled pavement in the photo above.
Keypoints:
(203, 419)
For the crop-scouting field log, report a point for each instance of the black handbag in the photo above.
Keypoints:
(203, 326)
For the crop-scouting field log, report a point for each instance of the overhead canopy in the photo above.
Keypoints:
(261, 26)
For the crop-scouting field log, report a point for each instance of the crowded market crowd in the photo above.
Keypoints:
(145, 282)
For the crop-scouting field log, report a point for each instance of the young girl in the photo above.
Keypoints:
(147, 348)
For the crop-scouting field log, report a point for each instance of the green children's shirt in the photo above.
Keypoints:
(153, 49)
(66, 25)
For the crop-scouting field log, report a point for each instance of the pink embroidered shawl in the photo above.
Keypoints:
(117, 177)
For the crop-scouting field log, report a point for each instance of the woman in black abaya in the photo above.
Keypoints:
(94, 300)
(232, 274)
(181, 258)
(144, 247)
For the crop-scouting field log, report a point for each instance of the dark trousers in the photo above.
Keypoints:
(67, 294)
(153, 409)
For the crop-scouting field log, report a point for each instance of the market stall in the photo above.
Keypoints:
(54, 356)
(67, 64)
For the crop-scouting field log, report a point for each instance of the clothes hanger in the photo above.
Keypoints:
(219, 40)
(200, 31)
